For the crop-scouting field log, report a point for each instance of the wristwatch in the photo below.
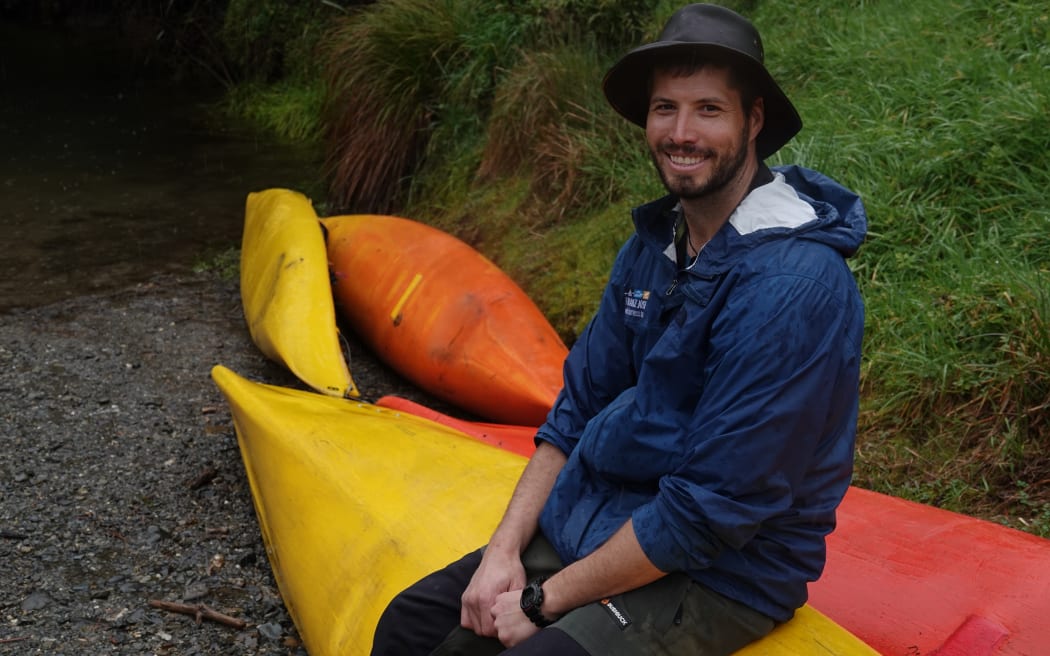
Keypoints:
(532, 599)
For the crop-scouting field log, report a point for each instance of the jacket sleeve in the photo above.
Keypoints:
(596, 369)
(771, 438)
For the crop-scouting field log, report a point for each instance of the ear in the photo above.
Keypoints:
(757, 119)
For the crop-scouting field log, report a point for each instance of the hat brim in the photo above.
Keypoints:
(626, 87)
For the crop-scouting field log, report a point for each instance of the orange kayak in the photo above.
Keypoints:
(906, 578)
(445, 317)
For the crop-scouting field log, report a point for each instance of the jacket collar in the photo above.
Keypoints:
(797, 202)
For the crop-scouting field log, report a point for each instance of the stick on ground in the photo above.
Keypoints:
(199, 612)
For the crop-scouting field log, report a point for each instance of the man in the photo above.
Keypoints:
(686, 478)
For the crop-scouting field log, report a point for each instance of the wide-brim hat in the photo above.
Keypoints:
(691, 30)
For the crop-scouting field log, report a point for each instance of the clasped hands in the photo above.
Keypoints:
(491, 604)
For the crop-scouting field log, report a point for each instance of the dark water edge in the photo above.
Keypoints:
(112, 172)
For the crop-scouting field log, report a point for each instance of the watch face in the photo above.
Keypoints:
(531, 600)
(528, 596)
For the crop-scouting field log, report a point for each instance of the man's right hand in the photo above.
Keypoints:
(500, 571)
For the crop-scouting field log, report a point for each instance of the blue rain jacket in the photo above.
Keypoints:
(716, 405)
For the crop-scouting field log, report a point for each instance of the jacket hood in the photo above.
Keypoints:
(842, 220)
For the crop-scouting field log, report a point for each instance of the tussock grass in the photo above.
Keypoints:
(550, 124)
(409, 80)
(420, 91)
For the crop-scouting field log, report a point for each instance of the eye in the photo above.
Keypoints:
(661, 106)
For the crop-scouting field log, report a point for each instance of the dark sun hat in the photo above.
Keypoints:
(691, 30)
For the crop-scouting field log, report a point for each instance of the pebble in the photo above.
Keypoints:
(270, 631)
(36, 601)
(196, 590)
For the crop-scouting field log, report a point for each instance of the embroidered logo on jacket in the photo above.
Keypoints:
(619, 615)
(634, 302)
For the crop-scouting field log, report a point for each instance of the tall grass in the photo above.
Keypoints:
(486, 118)
(425, 98)
(938, 114)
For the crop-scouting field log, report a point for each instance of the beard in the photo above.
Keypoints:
(727, 166)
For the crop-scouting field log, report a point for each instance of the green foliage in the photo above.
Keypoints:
(1038, 516)
(289, 109)
(269, 40)
(620, 23)
(616, 24)
(272, 65)
(550, 123)
(226, 263)
(938, 114)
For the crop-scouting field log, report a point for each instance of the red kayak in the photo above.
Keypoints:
(909, 578)
(516, 439)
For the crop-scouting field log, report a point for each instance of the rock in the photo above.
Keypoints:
(36, 601)
(195, 590)
(270, 631)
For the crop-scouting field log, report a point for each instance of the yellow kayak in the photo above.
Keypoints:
(356, 502)
(285, 291)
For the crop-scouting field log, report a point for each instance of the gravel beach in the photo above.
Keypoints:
(120, 478)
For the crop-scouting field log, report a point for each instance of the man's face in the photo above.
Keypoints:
(697, 131)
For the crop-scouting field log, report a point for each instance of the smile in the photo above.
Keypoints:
(685, 160)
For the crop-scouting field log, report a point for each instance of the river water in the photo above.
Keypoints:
(108, 177)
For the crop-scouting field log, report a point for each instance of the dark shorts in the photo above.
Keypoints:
(673, 616)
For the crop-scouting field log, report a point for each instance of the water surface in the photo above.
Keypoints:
(109, 175)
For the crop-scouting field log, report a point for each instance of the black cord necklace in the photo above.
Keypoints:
(692, 247)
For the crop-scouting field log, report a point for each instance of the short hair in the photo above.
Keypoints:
(686, 62)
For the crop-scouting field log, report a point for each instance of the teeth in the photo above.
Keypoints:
(685, 161)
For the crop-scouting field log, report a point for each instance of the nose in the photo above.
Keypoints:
(683, 129)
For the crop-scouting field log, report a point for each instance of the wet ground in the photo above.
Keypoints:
(108, 175)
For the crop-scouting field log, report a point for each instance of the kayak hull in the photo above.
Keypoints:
(516, 439)
(445, 317)
(345, 498)
(904, 575)
(285, 293)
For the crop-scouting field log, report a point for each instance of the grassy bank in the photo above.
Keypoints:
(486, 118)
